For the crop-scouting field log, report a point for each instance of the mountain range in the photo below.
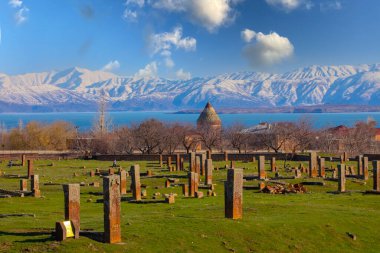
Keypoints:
(78, 89)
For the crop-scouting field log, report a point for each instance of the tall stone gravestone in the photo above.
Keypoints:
(23, 160)
(123, 182)
(341, 178)
(313, 164)
(193, 183)
(360, 165)
(23, 185)
(30, 169)
(136, 185)
(178, 162)
(233, 194)
(72, 204)
(192, 161)
(322, 171)
(209, 169)
(376, 175)
(273, 164)
(203, 163)
(35, 186)
(262, 173)
(365, 168)
(112, 210)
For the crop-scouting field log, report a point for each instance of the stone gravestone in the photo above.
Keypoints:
(192, 161)
(178, 162)
(233, 194)
(193, 183)
(322, 171)
(208, 153)
(185, 190)
(123, 182)
(35, 186)
(23, 185)
(169, 162)
(297, 173)
(262, 167)
(376, 175)
(111, 171)
(365, 168)
(112, 210)
(160, 161)
(360, 165)
(23, 160)
(313, 164)
(198, 165)
(225, 156)
(273, 164)
(72, 204)
(182, 164)
(30, 169)
(92, 173)
(209, 169)
(232, 164)
(345, 157)
(203, 164)
(341, 178)
(136, 185)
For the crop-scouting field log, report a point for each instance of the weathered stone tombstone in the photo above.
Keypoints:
(135, 184)
(178, 162)
(30, 169)
(123, 182)
(225, 156)
(345, 157)
(23, 160)
(360, 165)
(185, 190)
(167, 183)
(203, 164)
(341, 178)
(254, 159)
(149, 173)
(261, 186)
(273, 164)
(72, 204)
(192, 162)
(193, 183)
(199, 194)
(169, 162)
(111, 171)
(232, 164)
(233, 194)
(161, 161)
(297, 173)
(334, 174)
(170, 199)
(23, 185)
(198, 165)
(92, 173)
(35, 186)
(208, 154)
(182, 164)
(112, 210)
(322, 171)
(209, 169)
(313, 164)
(376, 175)
(365, 168)
(262, 174)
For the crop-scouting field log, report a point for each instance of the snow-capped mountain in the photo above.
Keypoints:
(80, 89)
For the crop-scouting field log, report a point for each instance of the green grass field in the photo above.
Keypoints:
(314, 222)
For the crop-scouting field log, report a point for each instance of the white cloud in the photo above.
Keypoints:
(331, 5)
(169, 62)
(247, 35)
(139, 3)
(21, 15)
(268, 49)
(130, 15)
(183, 75)
(289, 5)
(15, 3)
(112, 65)
(162, 42)
(149, 71)
(210, 14)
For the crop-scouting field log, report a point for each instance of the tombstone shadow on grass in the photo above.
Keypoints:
(50, 235)
(143, 201)
(93, 235)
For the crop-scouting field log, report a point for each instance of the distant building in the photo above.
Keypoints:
(209, 117)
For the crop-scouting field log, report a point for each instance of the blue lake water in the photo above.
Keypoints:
(84, 120)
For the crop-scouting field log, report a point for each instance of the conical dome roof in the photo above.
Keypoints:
(209, 117)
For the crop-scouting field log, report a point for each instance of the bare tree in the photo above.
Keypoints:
(236, 138)
(147, 135)
(210, 136)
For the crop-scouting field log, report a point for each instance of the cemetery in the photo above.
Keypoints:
(190, 202)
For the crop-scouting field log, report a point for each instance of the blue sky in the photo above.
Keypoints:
(183, 38)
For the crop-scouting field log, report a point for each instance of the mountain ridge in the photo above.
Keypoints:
(80, 89)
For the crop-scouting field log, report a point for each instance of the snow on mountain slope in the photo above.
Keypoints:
(307, 86)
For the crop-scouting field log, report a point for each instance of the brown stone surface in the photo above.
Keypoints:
(169, 163)
(30, 169)
(136, 185)
(360, 165)
(123, 182)
(225, 156)
(182, 164)
(208, 154)
(192, 162)
(111, 171)
(199, 194)
(198, 164)
(161, 161)
(341, 178)
(112, 210)
(35, 186)
(170, 199)
(262, 174)
(232, 164)
(178, 162)
(261, 185)
(298, 173)
(72, 203)
(313, 164)
(185, 190)
(92, 173)
(24, 185)
(167, 183)
(203, 164)
(193, 183)
(23, 160)
(322, 170)
(365, 168)
(273, 164)
(209, 169)
(233, 194)
(60, 231)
